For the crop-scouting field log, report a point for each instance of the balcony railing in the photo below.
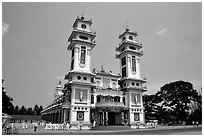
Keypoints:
(131, 42)
(140, 52)
(109, 104)
(91, 42)
(84, 30)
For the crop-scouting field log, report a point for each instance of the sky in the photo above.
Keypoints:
(34, 43)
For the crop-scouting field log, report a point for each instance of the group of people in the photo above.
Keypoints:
(61, 126)
(34, 125)
(195, 123)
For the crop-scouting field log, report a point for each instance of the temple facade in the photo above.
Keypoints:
(97, 96)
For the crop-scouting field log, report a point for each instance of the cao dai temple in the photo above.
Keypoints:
(97, 96)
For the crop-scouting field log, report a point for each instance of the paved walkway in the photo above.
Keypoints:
(41, 130)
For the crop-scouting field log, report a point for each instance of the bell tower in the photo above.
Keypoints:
(131, 82)
(81, 44)
(80, 78)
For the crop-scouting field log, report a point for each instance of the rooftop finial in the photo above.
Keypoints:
(82, 15)
(102, 70)
(127, 26)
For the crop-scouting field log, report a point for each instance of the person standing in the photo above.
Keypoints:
(196, 123)
(23, 125)
(35, 127)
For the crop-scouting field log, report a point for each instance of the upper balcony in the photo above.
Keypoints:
(89, 31)
(131, 42)
(139, 52)
(109, 104)
(92, 44)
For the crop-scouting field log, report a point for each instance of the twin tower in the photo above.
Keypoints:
(99, 97)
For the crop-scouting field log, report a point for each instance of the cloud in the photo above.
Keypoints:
(5, 28)
(162, 31)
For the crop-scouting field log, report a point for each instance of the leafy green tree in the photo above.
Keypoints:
(7, 105)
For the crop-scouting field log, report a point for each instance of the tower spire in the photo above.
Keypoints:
(127, 25)
(82, 14)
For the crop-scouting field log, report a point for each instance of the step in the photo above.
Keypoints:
(115, 127)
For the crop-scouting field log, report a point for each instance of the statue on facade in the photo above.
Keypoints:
(136, 99)
(81, 95)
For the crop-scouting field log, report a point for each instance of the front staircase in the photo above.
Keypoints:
(115, 127)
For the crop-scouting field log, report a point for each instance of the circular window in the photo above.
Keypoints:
(137, 84)
(133, 84)
(75, 108)
(83, 37)
(83, 26)
(78, 77)
(130, 37)
(85, 78)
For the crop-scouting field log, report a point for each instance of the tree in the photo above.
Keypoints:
(29, 111)
(177, 97)
(40, 109)
(7, 105)
(22, 111)
(16, 110)
(155, 110)
(149, 105)
(36, 110)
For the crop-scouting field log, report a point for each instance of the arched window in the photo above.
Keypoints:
(72, 64)
(72, 52)
(83, 55)
(98, 98)
(133, 64)
(92, 99)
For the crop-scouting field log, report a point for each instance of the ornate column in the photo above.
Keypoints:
(122, 117)
(103, 118)
(64, 111)
(106, 117)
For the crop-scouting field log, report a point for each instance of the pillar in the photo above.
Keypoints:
(61, 111)
(64, 111)
(106, 117)
(122, 117)
(103, 118)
